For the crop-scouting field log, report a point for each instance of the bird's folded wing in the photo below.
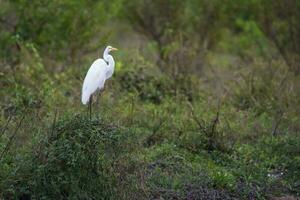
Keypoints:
(95, 78)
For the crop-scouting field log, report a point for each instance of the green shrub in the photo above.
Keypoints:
(74, 160)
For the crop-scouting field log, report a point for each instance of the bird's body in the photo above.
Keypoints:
(94, 79)
(99, 72)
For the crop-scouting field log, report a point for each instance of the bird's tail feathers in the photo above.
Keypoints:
(85, 98)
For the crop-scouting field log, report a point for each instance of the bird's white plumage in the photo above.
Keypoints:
(94, 79)
(99, 72)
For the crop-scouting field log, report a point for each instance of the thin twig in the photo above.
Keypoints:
(6, 125)
(195, 118)
(155, 130)
(216, 120)
(54, 123)
(12, 137)
(277, 122)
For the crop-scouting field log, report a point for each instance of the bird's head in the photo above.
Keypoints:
(110, 48)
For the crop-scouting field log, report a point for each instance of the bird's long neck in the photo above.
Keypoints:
(109, 59)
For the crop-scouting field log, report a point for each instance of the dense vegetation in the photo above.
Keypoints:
(204, 102)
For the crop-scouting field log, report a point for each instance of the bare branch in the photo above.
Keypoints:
(6, 125)
(195, 118)
(53, 124)
(276, 124)
(12, 137)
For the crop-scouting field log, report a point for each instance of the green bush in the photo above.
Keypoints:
(74, 160)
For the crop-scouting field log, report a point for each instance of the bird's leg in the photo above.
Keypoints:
(98, 98)
(90, 106)
(97, 103)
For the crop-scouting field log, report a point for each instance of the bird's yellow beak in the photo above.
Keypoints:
(114, 49)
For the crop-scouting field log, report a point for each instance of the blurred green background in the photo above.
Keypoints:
(204, 102)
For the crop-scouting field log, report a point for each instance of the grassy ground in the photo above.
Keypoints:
(205, 107)
(143, 147)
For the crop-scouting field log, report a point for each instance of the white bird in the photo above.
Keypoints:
(99, 72)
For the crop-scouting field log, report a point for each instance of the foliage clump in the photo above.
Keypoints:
(73, 160)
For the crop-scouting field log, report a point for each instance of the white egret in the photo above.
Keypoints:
(99, 72)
